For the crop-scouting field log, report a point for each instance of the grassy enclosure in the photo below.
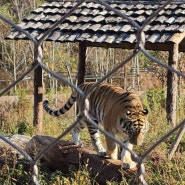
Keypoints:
(16, 118)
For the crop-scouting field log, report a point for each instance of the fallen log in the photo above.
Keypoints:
(8, 154)
(64, 154)
(16, 139)
(19, 140)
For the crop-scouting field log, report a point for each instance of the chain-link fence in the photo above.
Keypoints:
(139, 47)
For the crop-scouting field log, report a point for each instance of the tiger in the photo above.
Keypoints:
(121, 114)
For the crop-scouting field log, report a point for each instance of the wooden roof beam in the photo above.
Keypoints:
(177, 38)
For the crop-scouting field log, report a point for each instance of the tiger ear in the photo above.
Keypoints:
(145, 111)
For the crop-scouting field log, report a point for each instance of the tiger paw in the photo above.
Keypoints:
(76, 139)
(113, 154)
(102, 154)
(78, 143)
(131, 165)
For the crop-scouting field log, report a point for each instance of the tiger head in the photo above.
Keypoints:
(135, 125)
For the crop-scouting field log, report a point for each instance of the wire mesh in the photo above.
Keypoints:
(139, 47)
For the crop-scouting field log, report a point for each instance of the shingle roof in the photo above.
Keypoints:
(93, 23)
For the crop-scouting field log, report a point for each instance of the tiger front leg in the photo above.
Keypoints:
(112, 149)
(96, 141)
(126, 159)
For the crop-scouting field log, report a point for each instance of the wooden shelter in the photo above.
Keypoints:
(92, 25)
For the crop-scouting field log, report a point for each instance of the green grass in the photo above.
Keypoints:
(17, 119)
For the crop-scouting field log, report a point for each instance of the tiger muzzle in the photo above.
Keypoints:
(136, 140)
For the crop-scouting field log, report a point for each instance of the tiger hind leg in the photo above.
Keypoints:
(127, 162)
(76, 138)
(76, 133)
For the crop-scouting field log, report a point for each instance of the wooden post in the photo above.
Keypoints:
(81, 63)
(38, 94)
(172, 83)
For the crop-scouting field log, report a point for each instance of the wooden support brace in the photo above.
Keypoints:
(176, 142)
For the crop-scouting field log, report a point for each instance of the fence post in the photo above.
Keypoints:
(38, 94)
(172, 83)
(81, 63)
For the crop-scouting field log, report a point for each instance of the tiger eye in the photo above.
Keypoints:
(128, 113)
(145, 111)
